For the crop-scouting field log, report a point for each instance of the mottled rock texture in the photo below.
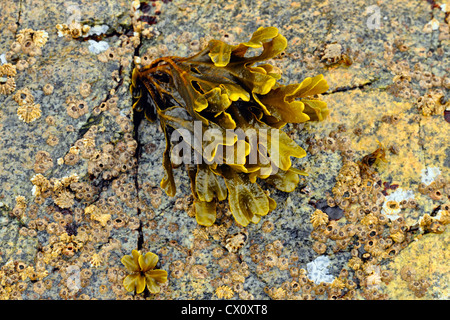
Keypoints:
(378, 61)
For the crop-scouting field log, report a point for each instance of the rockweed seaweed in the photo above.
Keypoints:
(221, 111)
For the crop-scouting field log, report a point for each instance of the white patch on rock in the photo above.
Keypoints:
(318, 270)
(97, 47)
(97, 30)
(429, 174)
(3, 59)
(34, 191)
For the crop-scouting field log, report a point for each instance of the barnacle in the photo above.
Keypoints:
(40, 183)
(318, 218)
(373, 279)
(29, 37)
(7, 82)
(29, 112)
(7, 85)
(444, 217)
(96, 260)
(143, 272)
(85, 89)
(23, 97)
(399, 236)
(236, 241)
(21, 202)
(224, 292)
(228, 111)
(8, 70)
(65, 199)
(103, 218)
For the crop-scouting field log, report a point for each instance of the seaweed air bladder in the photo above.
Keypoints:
(227, 107)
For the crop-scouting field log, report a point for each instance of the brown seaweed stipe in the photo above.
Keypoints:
(222, 89)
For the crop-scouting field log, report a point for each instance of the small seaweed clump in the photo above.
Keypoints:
(143, 272)
(228, 111)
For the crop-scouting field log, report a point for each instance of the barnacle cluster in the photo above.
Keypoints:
(58, 189)
(314, 282)
(221, 90)
(76, 237)
(76, 223)
(112, 159)
(409, 82)
(108, 162)
(14, 275)
(43, 161)
(432, 103)
(372, 224)
(29, 39)
(76, 107)
(28, 111)
(271, 256)
(437, 189)
(29, 43)
(142, 22)
(69, 243)
(331, 53)
(73, 30)
(416, 283)
(397, 201)
(436, 224)
(232, 280)
(121, 53)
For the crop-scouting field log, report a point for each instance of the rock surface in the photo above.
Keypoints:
(67, 242)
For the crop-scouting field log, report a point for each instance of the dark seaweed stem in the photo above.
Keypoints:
(155, 79)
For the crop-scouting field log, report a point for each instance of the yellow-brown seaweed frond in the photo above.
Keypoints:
(142, 272)
(367, 162)
(227, 88)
